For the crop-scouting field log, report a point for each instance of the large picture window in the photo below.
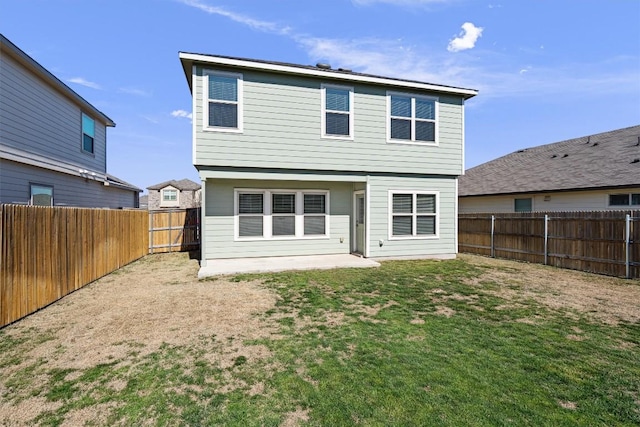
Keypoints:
(223, 101)
(281, 214)
(412, 118)
(413, 214)
(88, 133)
(337, 111)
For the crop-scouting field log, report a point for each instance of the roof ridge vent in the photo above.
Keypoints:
(323, 65)
(595, 144)
(565, 155)
(554, 156)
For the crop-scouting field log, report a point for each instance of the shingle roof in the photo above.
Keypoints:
(605, 160)
(182, 185)
(188, 59)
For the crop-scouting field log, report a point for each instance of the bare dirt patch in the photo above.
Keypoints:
(607, 299)
(153, 301)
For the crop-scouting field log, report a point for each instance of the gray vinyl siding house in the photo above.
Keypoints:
(52, 141)
(302, 160)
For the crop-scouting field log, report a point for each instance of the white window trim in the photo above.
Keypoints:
(267, 232)
(205, 102)
(169, 203)
(414, 215)
(413, 97)
(323, 116)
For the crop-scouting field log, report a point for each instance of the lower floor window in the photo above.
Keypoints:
(413, 214)
(632, 199)
(41, 195)
(281, 213)
(523, 205)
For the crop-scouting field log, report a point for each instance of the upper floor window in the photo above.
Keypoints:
(223, 103)
(41, 195)
(337, 111)
(628, 199)
(169, 197)
(413, 215)
(412, 118)
(88, 133)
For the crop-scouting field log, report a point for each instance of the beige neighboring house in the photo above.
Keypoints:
(596, 172)
(182, 194)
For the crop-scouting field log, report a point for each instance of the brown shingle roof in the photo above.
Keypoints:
(605, 160)
(182, 185)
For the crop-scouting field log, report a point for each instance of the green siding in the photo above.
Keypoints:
(379, 218)
(219, 221)
(282, 129)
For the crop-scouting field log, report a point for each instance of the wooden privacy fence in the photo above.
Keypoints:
(49, 252)
(174, 230)
(599, 242)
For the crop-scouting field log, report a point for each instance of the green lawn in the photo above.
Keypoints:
(409, 343)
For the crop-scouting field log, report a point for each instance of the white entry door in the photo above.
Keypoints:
(360, 222)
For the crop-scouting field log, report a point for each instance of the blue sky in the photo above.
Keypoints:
(546, 70)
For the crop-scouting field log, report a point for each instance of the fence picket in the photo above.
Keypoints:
(48, 252)
(587, 241)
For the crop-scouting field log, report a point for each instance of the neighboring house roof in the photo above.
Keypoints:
(8, 48)
(144, 201)
(605, 160)
(182, 185)
(117, 182)
(321, 70)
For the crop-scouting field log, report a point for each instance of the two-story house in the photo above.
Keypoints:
(53, 143)
(174, 194)
(307, 160)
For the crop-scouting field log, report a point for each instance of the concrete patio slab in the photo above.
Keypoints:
(221, 267)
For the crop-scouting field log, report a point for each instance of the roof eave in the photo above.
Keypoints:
(558, 190)
(7, 47)
(188, 59)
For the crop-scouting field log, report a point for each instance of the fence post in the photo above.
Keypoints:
(493, 227)
(546, 238)
(627, 241)
(150, 232)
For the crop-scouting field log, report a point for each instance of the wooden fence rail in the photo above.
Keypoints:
(49, 252)
(175, 230)
(599, 242)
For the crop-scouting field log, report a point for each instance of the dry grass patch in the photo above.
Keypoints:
(605, 299)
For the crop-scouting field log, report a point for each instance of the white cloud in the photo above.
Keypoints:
(466, 39)
(395, 58)
(134, 91)
(181, 114)
(83, 82)
(268, 27)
